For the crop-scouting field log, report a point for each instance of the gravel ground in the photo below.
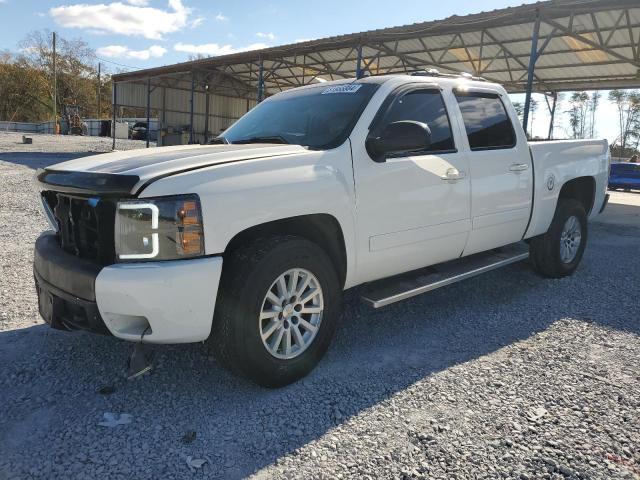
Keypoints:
(12, 142)
(503, 376)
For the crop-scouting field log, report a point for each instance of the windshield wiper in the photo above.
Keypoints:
(264, 139)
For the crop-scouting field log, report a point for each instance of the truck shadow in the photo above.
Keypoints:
(37, 160)
(241, 428)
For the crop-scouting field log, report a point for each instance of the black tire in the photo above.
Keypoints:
(545, 249)
(247, 275)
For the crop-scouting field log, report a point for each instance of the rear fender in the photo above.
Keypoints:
(558, 163)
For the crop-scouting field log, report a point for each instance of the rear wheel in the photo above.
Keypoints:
(277, 309)
(558, 252)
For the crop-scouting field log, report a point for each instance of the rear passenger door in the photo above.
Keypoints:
(501, 171)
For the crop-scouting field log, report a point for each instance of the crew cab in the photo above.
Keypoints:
(404, 183)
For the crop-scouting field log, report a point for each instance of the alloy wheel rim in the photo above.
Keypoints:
(291, 313)
(570, 239)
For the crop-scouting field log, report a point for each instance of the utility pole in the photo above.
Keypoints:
(99, 97)
(55, 89)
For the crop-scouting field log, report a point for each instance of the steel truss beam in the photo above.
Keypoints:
(489, 53)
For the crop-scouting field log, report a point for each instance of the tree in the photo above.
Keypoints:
(628, 106)
(553, 107)
(197, 56)
(594, 101)
(26, 79)
(519, 108)
(22, 97)
(578, 107)
(76, 69)
(533, 108)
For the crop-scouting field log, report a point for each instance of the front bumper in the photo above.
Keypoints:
(163, 302)
(65, 287)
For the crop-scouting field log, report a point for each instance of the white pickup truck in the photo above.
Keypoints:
(404, 183)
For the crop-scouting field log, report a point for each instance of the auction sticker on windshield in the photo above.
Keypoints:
(342, 89)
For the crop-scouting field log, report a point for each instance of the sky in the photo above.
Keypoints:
(135, 34)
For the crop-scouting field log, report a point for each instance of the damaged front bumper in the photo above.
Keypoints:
(157, 302)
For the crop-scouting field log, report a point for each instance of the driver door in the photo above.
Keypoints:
(413, 209)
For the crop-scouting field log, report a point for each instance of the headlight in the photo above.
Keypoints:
(162, 228)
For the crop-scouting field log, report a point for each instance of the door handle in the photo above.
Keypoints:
(518, 167)
(453, 174)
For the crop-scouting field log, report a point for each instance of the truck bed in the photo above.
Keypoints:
(557, 161)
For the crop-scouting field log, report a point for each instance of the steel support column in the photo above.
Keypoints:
(359, 72)
(553, 115)
(148, 109)
(260, 81)
(114, 105)
(533, 58)
(55, 88)
(191, 102)
(163, 126)
(206, 115)
(99, 92)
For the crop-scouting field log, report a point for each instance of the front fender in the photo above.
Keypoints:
(241, 195)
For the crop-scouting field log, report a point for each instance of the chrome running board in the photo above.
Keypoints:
(400, 287)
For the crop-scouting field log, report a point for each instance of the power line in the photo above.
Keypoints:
(118, 64)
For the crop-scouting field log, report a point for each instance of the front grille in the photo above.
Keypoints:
(85, 225)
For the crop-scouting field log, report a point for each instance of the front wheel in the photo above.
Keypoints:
(558, 252)
(277, 309)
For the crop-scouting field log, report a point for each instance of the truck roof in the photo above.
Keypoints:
(431, 76)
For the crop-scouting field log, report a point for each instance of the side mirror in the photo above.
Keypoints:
(399, 137)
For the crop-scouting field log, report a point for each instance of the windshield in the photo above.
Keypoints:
(319, 118)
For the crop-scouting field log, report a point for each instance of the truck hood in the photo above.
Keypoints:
(128, 172)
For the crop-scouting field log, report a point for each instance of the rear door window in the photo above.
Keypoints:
(486, 121)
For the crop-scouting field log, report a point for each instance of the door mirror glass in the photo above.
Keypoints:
(399, 137)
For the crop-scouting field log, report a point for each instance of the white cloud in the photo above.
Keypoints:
(120, 51)
(221, 18)
(138, 3)
(214, 49)
(302, 40)
(124, 19)
(269, 35)
(197, 22)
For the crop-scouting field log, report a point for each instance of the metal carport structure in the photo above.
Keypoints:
(546, 47)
